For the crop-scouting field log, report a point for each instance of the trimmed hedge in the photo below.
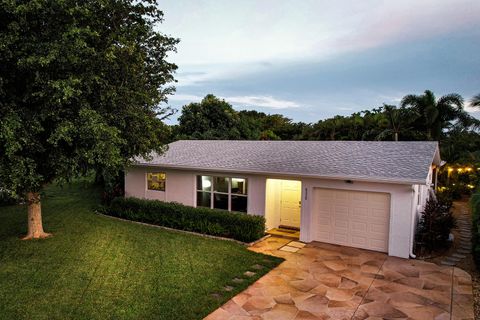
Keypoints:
(239, 226)
(475, 205)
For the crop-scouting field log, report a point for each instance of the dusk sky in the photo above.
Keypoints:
(310, 60)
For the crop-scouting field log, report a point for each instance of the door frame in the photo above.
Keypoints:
(273, 201)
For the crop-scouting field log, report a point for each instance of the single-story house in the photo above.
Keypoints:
(364, 194)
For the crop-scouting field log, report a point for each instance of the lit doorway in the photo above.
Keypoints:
(283, 205)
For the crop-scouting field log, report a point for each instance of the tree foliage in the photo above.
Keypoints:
(212, 118)
(80, 86)
(215, 118)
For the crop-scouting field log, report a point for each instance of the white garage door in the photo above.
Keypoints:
(352, 218)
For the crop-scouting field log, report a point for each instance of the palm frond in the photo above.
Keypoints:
(467, 121)
(410, 100)
(384, 134)
(452, 99)
(475, 102)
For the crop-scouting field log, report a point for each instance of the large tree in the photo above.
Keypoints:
(80, 88)
(437, 115)
(212, 118)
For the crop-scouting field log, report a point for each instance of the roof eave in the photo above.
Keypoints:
(286, 174)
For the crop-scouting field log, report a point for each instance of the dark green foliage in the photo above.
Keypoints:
(80, 88)
(435, 115)
(435, 225)
(445, 198)
(99, 268)
(475, 207)
(210, 119)
(214, 119)
(239, 226)
(7, 199)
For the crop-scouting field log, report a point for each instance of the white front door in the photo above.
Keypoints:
(290, 203)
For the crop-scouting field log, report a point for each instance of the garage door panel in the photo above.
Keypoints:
(379, 213)
(359, 241)
(352, 218)
(359, 226)
(341, 209)
(341, 224)
(377, 228)
(358, 196)
(340, 238)
(360, 211)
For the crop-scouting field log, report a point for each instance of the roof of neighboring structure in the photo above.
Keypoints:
(380, 161)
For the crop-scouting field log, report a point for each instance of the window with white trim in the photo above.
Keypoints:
(224, 193)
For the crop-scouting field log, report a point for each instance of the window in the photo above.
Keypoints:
(222, 193)
(156, 181)
(204, 191)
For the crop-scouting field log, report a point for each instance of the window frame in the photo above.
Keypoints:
(212, 191)
(164, 181)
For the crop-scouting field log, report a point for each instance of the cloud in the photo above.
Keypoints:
(185, 97)
(263, 101)
(256, 101)
(275, 31)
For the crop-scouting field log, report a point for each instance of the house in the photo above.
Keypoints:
(364, 194)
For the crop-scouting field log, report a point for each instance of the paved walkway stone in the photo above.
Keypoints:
(323, 281)
(464, 243)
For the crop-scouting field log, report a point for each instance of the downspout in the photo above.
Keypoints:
(412, 229)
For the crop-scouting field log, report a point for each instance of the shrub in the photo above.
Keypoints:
(7, 199)
(475, 206)
(435, 225)
(445, 198)
(239, 226)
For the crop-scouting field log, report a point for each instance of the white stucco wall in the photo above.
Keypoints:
(180, 187)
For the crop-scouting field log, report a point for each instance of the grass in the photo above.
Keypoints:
(99, 268)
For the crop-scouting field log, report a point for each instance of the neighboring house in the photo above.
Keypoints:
(365, 194)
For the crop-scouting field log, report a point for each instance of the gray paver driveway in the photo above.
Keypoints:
(322, 281)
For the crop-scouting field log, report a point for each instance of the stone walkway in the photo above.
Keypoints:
(322, 281)
(464, 227)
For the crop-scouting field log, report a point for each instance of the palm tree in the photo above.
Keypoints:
(399, 120)
(437, 115)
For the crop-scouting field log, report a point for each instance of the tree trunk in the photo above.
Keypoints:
(35, 226)
(396, 136)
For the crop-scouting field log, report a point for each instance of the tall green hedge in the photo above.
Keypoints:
(239, 226)
(475, 205)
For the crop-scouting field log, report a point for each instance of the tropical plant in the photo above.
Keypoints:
(399, 121)
(437, 115)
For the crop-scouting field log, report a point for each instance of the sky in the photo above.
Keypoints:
(313, 59)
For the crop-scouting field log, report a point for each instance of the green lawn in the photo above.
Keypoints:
(99, 268)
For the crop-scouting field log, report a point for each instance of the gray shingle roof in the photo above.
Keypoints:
(396, 162)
